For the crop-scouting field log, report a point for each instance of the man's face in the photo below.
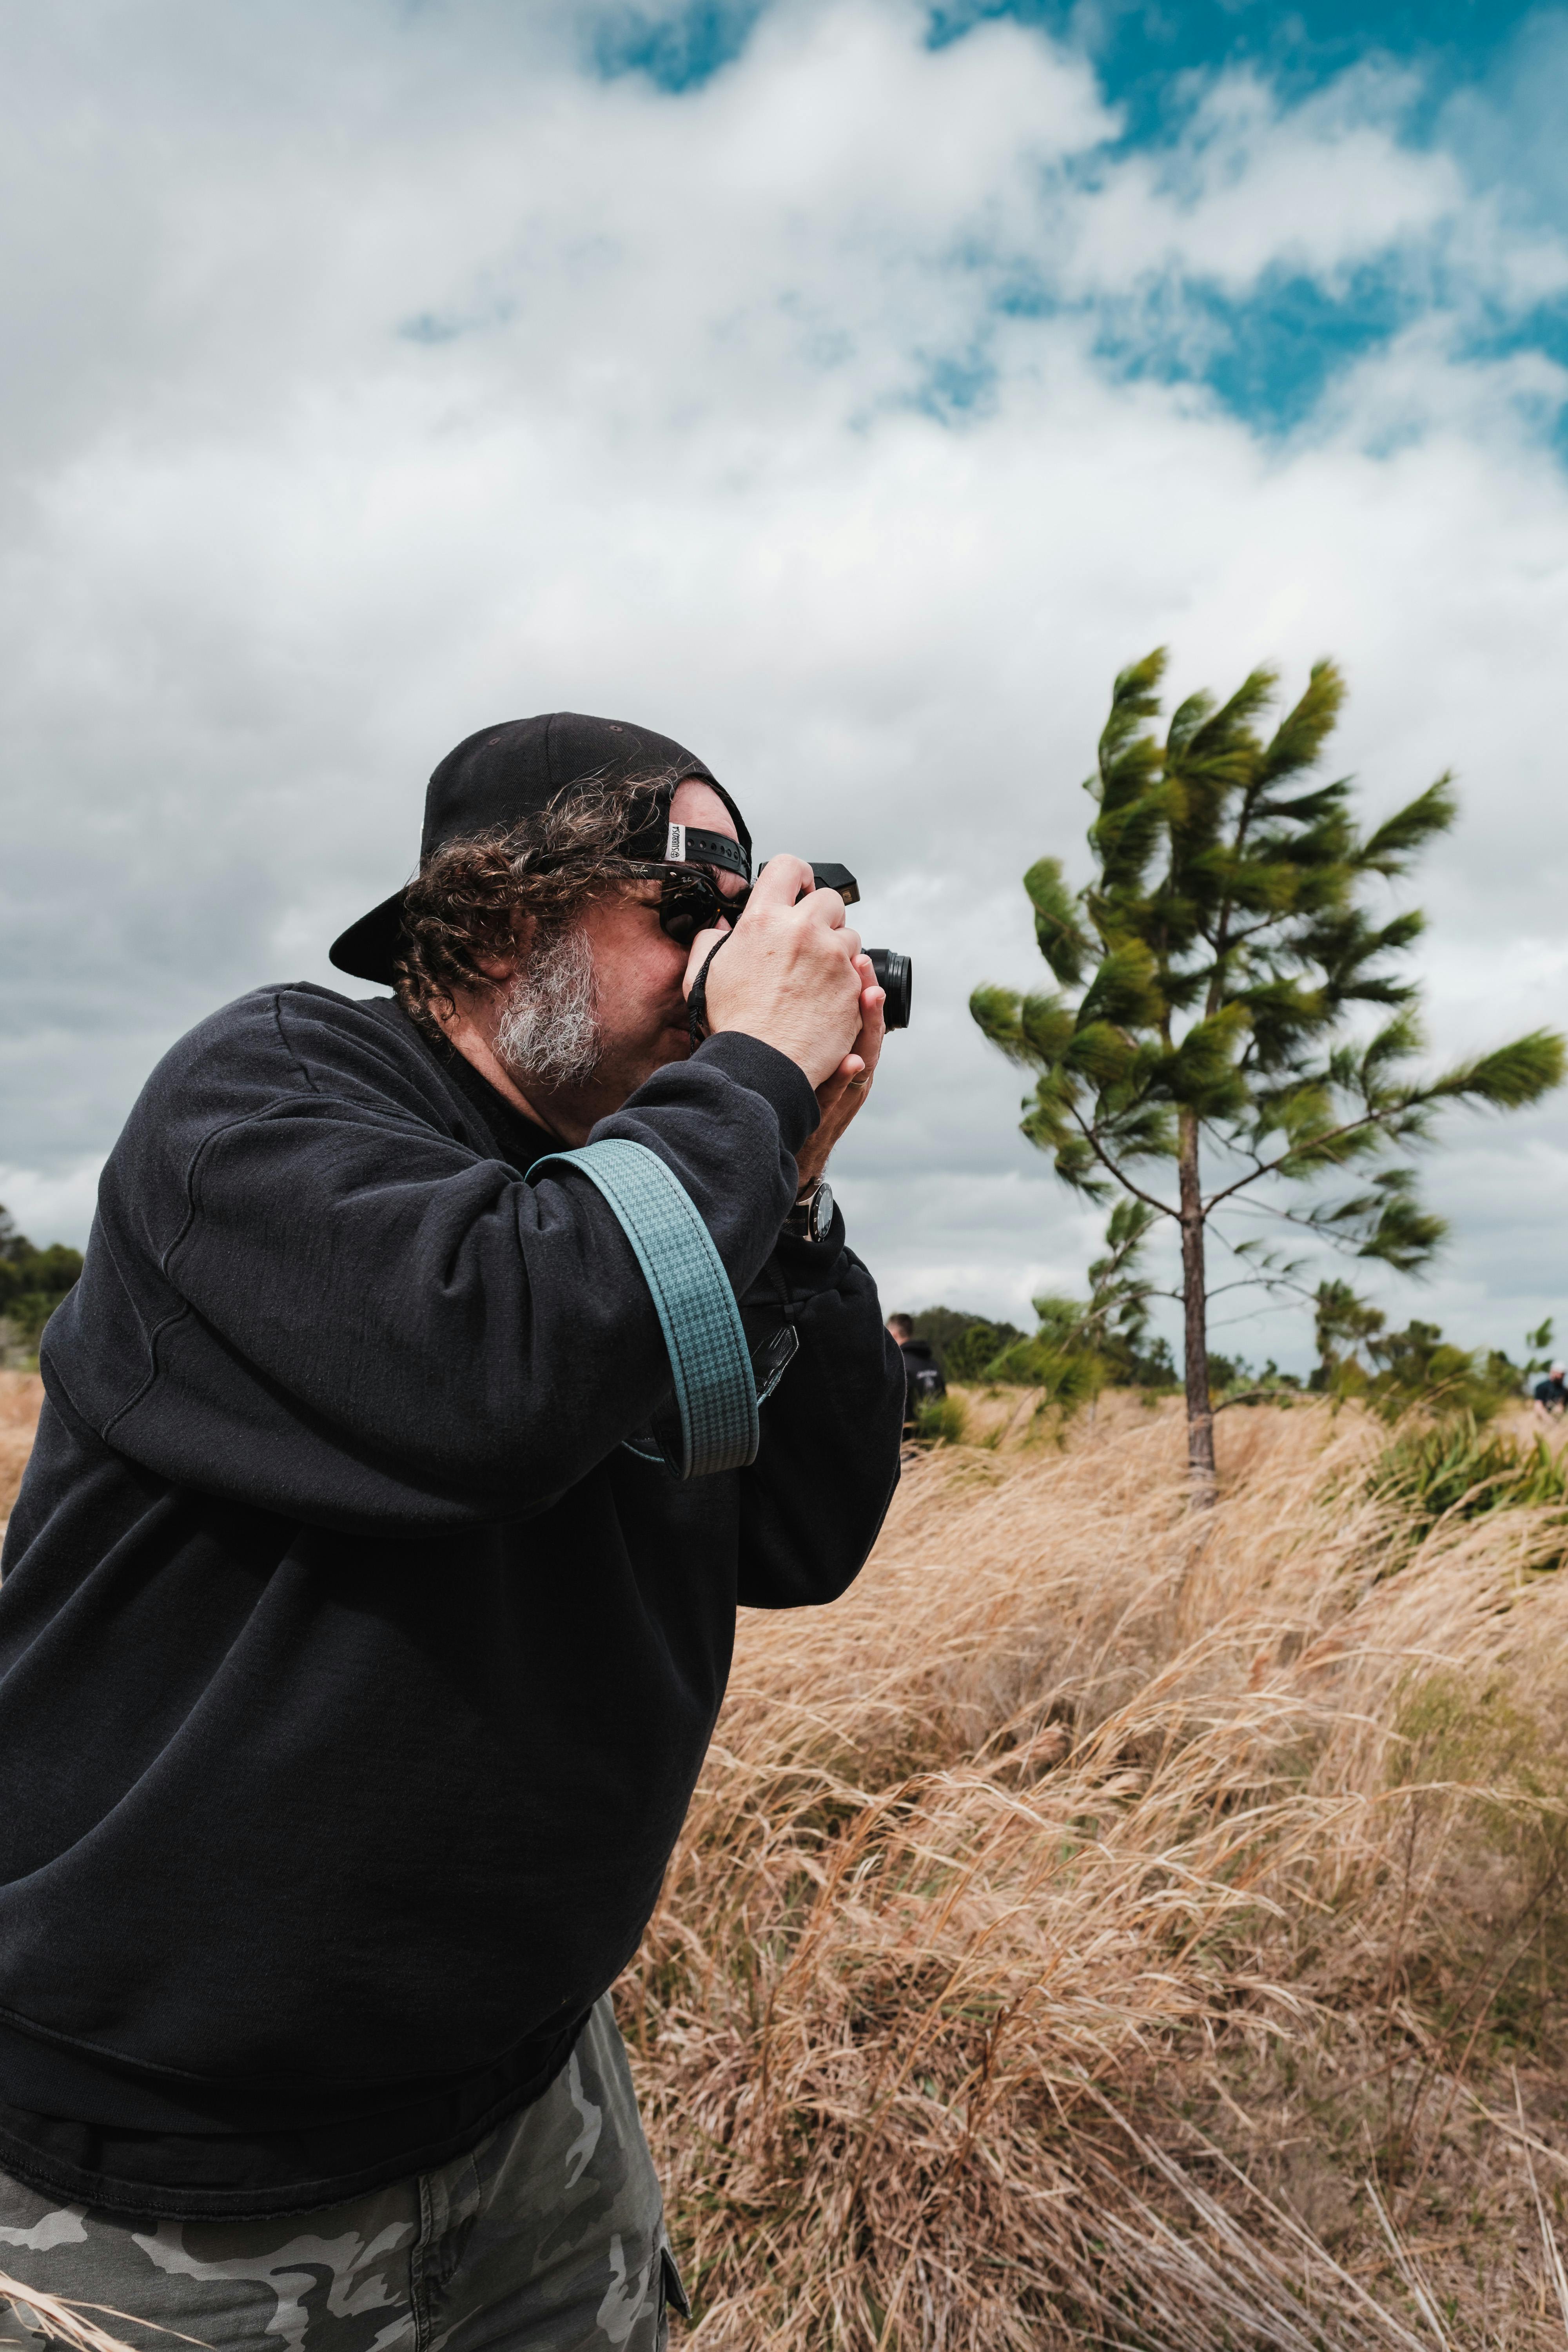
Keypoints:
(637, 971)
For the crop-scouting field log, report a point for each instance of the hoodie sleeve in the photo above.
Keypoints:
(304, 1292)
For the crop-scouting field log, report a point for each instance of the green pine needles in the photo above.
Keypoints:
(1228, 1001)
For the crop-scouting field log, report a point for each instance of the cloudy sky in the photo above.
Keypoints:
(845, 388)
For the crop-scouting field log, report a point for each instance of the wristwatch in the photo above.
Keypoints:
(811, 1219)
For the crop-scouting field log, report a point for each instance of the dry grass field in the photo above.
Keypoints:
(1101, 1929)
(1108, 1927)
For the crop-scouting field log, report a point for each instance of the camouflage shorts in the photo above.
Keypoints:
(548, 2238)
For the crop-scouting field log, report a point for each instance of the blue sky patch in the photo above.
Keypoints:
(677, 48)
(1137, 49)
(429, 328)
(1140, 50)
(1267, 358)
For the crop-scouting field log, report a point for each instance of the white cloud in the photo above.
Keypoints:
(1255, 185)
(379, 374)
(60, 1201)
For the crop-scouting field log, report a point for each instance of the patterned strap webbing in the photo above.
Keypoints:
(714, 1388)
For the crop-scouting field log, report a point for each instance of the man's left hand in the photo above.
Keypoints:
(839, 1098)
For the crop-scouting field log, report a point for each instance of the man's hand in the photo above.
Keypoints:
(791, 975)
(845, 1092)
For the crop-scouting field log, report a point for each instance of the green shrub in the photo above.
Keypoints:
(32, 1284)
(942, 1421)
(1458, 1466)
(970, 1355)
(1069, 1376)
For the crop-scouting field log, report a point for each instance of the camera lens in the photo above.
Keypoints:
(895, 974)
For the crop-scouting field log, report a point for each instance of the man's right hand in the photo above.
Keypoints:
(788, 975)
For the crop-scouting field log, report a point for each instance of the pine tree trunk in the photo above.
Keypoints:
(1200, 1413)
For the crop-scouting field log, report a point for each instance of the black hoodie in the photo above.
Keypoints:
(355, 1674)
(922, 1376)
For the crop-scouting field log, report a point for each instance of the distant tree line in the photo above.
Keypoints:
(1081, 1346)
(32, 1284)
(1358, 1356)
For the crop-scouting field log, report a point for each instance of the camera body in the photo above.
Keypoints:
(895, 973)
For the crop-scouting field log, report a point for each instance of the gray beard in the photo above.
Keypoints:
(548, 1031)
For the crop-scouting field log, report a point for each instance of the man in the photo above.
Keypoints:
(359, 1642)
(1552, 1393)
(923, 1382)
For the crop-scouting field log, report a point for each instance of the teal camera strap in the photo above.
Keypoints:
(714, 1388)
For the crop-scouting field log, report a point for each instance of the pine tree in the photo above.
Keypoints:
(1342, 1325)
(1213, 980)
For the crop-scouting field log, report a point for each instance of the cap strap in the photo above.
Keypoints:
(686, 846)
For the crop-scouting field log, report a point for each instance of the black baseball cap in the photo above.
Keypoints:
(513, 771)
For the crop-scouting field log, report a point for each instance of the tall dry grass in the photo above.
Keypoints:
(21, 1394)
(1105, 1927)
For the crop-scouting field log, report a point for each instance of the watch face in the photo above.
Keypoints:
(822, 1212)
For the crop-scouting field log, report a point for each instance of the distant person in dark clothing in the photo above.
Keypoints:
(1552, 1393)
(923, 1382)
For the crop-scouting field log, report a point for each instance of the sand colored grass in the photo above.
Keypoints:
(21, 1394)
(1100, 1927)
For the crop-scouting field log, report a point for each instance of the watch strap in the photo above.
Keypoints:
(801, 1220)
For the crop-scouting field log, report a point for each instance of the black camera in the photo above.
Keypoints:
(895, 973)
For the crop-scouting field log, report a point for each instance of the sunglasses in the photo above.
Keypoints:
(689, 899)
